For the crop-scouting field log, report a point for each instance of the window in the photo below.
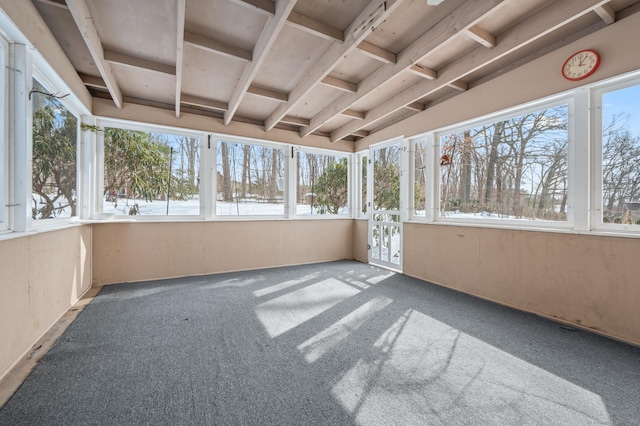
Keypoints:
(322, 184)
(250, 179)
(150, 173)
(55, 148)
(620, 155)
(510, 169)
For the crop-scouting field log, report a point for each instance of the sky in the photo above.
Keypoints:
(625, 101)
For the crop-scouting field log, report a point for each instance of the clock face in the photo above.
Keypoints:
(581, 65)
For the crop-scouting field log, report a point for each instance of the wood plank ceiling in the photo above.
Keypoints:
(343, 69)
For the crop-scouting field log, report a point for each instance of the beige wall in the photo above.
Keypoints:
(591, 281)
(41, 276)
(143, 251)
(360, 240)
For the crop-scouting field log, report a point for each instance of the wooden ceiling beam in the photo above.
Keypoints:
(265, 7)
(423, 72)
(542, 23)
(482, 36)
(339, 84)
(460, 86)
(377, 53)
(268, 36)
(203, 103)
(360, 133)
(317, 28)
(268, 93)
(372, 15)
(415, 106)
(216, 46)
(57, 3)
(131, 61)
(606, 13)
(180, 18)
(358, 115)
(296, 121)
(465, 16)
(93, 82)
(84, 21)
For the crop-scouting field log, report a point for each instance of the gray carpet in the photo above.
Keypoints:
(326, 344)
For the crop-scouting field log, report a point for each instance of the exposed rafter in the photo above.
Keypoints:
(466, 16)
(84, 21)
(377, 53)
(314, 27)
(93, 82)
(203, 103)
(266, 7)
(481, 35)
(132, 61)
(423, 72)
(180, 17)
(267, 38)
(353, 114)
(537, 26)
(268, 93)
(415, 106)
(606, 13)
(57, 3)
(376, 12)
(346, 86)
(296, 121)
(216, 46)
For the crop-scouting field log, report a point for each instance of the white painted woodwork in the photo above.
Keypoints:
(339, 84)
(266, 7)
(415, 106)
(336, 52)
(180, 19)
(377, 53)
(131, 61)
(216, 46)
(606, 13)
(84, 21)
(297, 121)
(536, 27)
(260, 52)
(203, 103)
(467, 15)
(315, 27)
(358, 115)
(482, 36)
(267, 93)
(422, 71)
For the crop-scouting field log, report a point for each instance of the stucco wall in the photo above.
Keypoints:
(124, 252)
(591, 281)
(41, 276)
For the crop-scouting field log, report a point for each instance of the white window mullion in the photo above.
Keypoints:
(580, 176)
(291, 168)
(208, 177)
(20, 137)
(87, 194)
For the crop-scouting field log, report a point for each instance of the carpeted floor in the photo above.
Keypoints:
(326, 344)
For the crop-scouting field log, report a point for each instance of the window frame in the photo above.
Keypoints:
(432, 196)
(97, 207)
(597, 192)
(4, 137)
(360, 185)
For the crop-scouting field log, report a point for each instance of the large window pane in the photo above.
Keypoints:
(621, 156)
(322, 184)
(508, 169)
(386, 178)
(149, 173)
(54, 156)
(251, 179)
